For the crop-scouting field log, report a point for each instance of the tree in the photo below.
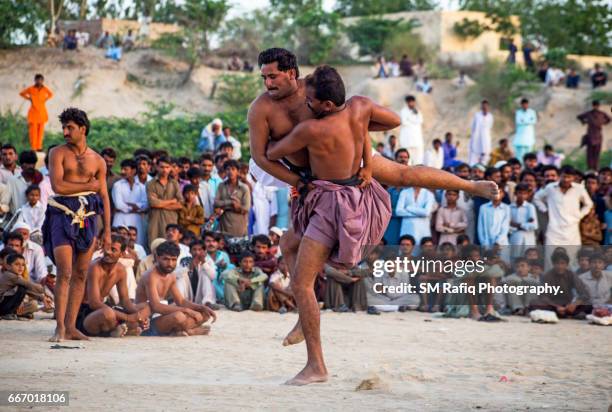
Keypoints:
(580, 27)
(237, 91)
(371, 34)
(200, 18)
(311, 32)
(55, 10)
(349, 8)
(20, 19)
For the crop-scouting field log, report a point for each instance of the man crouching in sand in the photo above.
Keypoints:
(96, 318)
(182, 318)
(340, 215)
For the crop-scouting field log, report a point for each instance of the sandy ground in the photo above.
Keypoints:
(422, 363)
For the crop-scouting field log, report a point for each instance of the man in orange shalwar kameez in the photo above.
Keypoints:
(38, 94)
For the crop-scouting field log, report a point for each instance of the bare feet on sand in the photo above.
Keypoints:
(307, 376)
(75, 334)
(119, 331)
(485, 188)
(59, 335)
(133, 330)
(200, 330)
(179, 334)
(295, 336)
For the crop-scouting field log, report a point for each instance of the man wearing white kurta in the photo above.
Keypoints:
(435, 157)
(264, 207)
(130, 200)
(566, 203)
(524, 139)
(415, 206)
(480, 139)
(411, 133)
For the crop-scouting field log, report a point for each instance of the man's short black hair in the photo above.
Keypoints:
(12, 236)
(173, 226)
(39, 76)
(283, 57)
(207, 156)
(513, 161)
(231, 163)
(142, 152)
(530, 156)
(402, 150)
(182, 160)
(5, 252)
(598, 256)
(489, 171)
(225, 145)
(121, 240)
(164, 159)
(142, 158)
(522, 187)
(246, 254)
(426, 239)
(523, 101)
(32, 188)
(131, 163)
(409, 98)
(548, 147)
(328, 85)
(10, 259)
(558, 256)
(28, 157)
(8, 146)
(546, 168)
(568, 170)
(263, 239)
(194, 172)
(187, 189)
(527, 172)
(220, 156)
(591, 176)
(77, 116)
(209, 234)
(168, 249)
(596, 103)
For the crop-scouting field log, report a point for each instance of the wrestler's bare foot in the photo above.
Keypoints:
(307, 376)
(59, 335)
(295, 336)
(137, 331)
(200, 330)
(119, 331)
(75, 334)
(485, 188)
(179, 334)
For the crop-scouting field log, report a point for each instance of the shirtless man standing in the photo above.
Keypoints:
(97, 318)
(337, 217)
(78, 177)
(183, 318)
(282, 107)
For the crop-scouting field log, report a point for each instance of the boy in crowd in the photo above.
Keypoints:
(191, 216)
(598, 281)
(244, 286)
(33, 212)
(14, 288)
(451, 221)
(518, 304)
(264, 260)
(280, 296)
(523, 221)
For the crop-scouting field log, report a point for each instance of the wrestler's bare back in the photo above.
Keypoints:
(334, 143)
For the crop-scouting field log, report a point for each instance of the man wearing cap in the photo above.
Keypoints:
(211, 137)
(33, 253)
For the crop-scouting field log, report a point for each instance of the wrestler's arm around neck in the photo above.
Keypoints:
(296, 140)
(259, 134)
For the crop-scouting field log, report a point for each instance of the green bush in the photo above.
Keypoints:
(557, 57)
(237, 91)
(410, 44)
(502, 84)
(156, 129)
(604, 96)
(371, 34)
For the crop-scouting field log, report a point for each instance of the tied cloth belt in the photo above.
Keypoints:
(78, 217)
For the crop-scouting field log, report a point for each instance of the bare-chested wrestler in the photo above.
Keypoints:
(95, 317)
(278, 110)
(337, 218)
(182, 318)
(78, 177)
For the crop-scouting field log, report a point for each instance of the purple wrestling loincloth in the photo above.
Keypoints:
(77, 229)
(343, 217)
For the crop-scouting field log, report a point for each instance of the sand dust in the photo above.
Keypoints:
(443, 364)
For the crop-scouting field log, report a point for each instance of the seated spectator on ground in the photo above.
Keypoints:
(133, 243)
(548, 156)
(14, 288)
(211, 137)
(434, 157)
(237, 153)
(380, 293)
(519, 304)
(264, 260)
(345, 289)
(202, 274)
(175, 234)
(275, 234)
(501, 152)
(221, 259)
(599, 77)
(554, 77)
(423, 85)
(572, 81)
(32, 252)
(129, 40)
(96, 317)
(406, 66)
(191, 216)
(564, 303)
(598, 281)
(244, 286)
(105, 41)
(149, 261)
(280, 296)
(181, 318)
(70, 41)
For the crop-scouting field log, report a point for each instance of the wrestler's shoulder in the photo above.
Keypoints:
(360, 101)
(263, 102)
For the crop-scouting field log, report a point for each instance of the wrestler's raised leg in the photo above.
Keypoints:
(394, 174)
(289, 244)
(310, 260)
(77, 292)
(63, 260)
